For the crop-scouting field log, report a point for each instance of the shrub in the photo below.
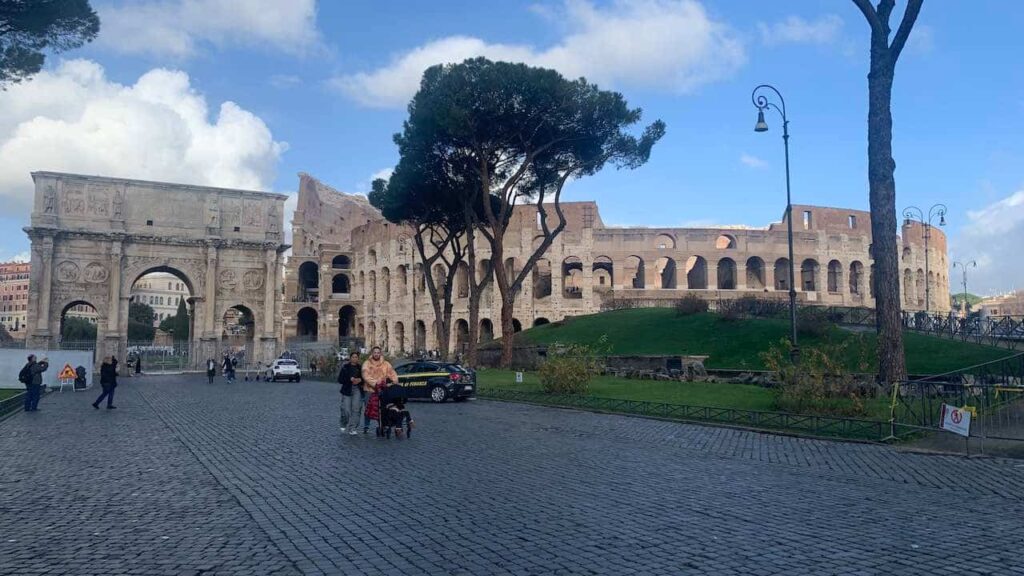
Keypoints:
(691, 304)
(820, 383)
(813, 323)
(569, 368)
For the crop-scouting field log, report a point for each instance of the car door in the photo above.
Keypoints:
(416, 381)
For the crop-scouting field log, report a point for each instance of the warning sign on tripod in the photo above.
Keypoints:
(956, 420)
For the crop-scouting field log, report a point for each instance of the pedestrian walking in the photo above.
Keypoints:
(228, 369)
(108, 381)
(211, 370)
(31, 376)
(353, 397)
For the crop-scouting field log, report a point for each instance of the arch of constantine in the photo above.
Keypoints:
(354, 275)
(93, 237)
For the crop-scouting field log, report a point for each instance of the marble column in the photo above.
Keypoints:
(113, 319)
(45, 279)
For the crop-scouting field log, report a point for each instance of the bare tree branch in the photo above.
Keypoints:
(869, 13)
(909, 18)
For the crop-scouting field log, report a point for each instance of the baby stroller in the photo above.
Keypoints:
(387, 406)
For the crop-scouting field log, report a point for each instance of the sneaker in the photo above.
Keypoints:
(366, 430)
(95, 406)
(353, 432)
(342, 428)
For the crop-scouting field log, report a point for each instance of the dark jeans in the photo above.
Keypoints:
(108, 393)
(32, 394)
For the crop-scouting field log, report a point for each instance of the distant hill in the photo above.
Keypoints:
(972, 299)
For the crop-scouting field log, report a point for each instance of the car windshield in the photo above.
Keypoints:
(287, 363)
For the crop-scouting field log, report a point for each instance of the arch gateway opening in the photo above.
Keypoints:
(214, 253)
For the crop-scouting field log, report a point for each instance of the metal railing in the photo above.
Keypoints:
(11, 404)
(992, 391)
(817, 425)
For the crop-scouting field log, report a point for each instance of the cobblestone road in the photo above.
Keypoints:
(253, 478)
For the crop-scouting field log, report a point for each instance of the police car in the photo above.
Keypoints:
(437, 381)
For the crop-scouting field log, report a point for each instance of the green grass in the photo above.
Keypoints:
(6, 393)
(738, 344)
(742, 396)
(716, 395)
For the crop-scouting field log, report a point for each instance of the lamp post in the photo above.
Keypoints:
(762, 103)
(913, 213)
(963, 266)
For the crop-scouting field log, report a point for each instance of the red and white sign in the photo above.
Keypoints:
(956, 420)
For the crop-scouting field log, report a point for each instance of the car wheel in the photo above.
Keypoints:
(273, 378)
(298, 378)
(438, 394)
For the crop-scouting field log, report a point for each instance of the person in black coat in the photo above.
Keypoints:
(108, 381)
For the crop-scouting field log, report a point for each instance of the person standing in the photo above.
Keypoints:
(34, 389)
(211, 370)
(377, 370)
(353, 396)
(25, 377)
(108, 381)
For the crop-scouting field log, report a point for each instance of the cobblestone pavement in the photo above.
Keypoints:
(254, 478)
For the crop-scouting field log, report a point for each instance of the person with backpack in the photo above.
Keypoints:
(108, 381)
(32, 377)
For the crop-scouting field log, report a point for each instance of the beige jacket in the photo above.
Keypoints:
(378, 371)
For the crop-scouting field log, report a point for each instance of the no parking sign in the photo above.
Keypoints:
(956, 420)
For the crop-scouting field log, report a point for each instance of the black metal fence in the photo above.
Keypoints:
(993, 392)
(826, 426)
(11, 404)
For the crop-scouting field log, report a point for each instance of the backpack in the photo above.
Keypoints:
(25, 376)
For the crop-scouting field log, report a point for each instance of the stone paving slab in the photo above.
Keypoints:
(255, 478)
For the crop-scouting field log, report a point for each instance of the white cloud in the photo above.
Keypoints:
(384, 173)
(797, 30)
(671, 45)
(752, 161)
(180, 28)
(74, 119)
(19, 257)
(921, 39)
(993, 237)
(284, 80)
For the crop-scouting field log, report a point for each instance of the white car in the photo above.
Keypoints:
(284, 369)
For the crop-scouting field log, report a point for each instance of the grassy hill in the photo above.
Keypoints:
(736, 344)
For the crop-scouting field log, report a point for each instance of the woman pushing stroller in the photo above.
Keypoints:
(387, 403)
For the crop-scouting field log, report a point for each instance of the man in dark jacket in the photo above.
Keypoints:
(352, 394)
(108, 381)
(34, 387)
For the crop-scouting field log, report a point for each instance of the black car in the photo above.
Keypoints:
(437, 381)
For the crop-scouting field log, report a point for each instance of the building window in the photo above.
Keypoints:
(807, 219)
(852, 221)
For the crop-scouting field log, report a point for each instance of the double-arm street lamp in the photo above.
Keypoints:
(963, 267)
(760, 99)
(912, 214)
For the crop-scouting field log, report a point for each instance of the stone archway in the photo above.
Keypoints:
(93, 237)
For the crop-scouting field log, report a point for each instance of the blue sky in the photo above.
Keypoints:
(248, 94)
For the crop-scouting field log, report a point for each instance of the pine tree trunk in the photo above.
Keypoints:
(882, 183)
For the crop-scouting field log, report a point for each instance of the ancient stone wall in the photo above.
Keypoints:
(591, 267)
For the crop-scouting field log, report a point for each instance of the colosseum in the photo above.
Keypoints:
(349, 277)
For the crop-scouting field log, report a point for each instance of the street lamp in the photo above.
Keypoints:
(963, 266)
(762, 103)
(912, 214)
